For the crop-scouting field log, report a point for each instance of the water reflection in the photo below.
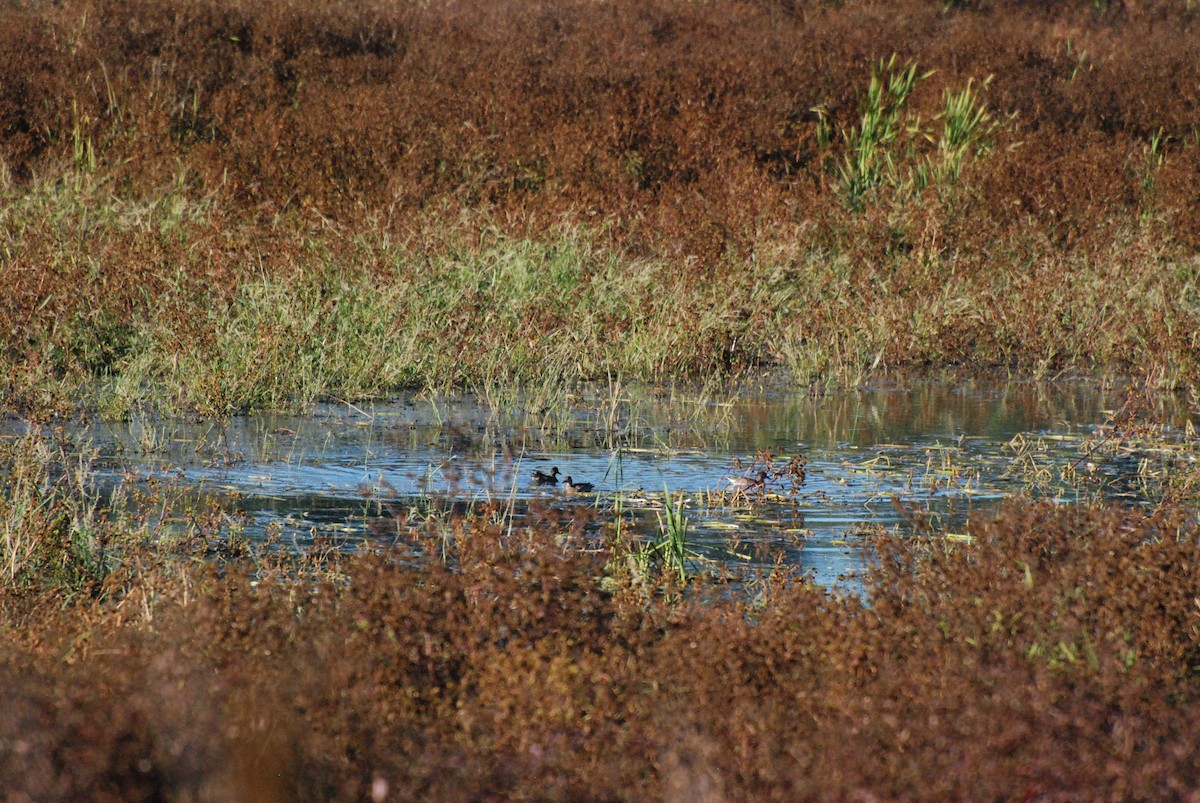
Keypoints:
(945, 449)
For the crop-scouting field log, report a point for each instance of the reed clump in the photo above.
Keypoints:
(52, 528)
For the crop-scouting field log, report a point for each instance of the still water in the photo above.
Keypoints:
(348, 472)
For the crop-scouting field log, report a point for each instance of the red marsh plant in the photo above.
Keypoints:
(1053, 655)
(164, 161)
(652, 115)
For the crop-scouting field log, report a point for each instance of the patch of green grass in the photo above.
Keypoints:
(51, 528)
(515, 319)
(511, 317)
(294, 316)
(884, 149)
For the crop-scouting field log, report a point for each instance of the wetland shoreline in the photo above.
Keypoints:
(220, 220)
(550, 648)
(986, 188)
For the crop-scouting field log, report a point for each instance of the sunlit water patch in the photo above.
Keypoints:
(880, 458)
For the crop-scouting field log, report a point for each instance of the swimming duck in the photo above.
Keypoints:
(578, 487)
(542, 478)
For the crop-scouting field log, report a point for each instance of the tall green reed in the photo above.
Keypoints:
(667, 552)
(671, 544)
(884, 149)
(869, 161)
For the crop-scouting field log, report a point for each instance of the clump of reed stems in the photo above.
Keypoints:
(883, 149)
(869, 161)
(52, 529)
(666, 553)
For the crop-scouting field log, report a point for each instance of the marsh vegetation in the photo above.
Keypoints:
(295, 296)
(217, 207)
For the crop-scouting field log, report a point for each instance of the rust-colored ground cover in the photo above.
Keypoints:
(689, 126)
(1053, 658)
(160, 157)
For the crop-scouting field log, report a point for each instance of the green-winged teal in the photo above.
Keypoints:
(542, 478)
(578, 487)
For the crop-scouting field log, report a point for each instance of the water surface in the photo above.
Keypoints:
(348, 472)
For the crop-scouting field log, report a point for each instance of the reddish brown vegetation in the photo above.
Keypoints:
(687, 123)
(1054, 658)
(675, 129)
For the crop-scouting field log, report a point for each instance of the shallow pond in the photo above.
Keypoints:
(874, 457)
